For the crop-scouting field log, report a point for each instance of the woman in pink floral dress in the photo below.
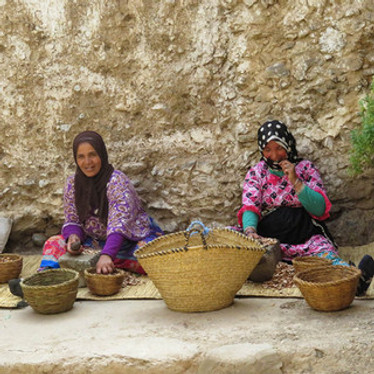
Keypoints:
(284, 198)
(102, 211)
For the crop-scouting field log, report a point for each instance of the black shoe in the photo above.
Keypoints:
(15, 287)
(366, 266)
(22, 304)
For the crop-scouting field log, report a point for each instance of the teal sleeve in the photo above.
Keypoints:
(250, 219)
(312, 201)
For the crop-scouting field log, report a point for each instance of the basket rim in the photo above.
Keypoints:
(138, 253)
(181, 250)
(119, 273)
(352, 274)
(59, 270)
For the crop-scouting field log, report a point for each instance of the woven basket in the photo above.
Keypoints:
(200, 273)
(328, 288)
(10, 266)
(305, 263)
(51, 291)
(104, 284)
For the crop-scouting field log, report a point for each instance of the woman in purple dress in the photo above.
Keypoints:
(102, 211)
(284, 198)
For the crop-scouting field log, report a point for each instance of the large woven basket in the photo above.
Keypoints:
(10, 266)
(305, 263)
(328, 288)
(202, 272)
(51, 291)
(104, 284)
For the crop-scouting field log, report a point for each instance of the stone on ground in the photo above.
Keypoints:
(79, 263)
(5, 228)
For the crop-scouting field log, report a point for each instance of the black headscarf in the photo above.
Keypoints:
(90, 192)
(277, 131)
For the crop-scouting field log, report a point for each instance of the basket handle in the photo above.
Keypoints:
(196, 227)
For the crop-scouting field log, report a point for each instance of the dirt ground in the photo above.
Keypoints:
(144, 336)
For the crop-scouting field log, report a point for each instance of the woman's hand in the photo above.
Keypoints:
(251, 233)
(74, 240)
(288, 169)
(105, 265)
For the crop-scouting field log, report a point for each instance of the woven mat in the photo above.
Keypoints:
(145, 289)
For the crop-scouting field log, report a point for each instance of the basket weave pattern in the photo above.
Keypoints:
(10, 266)
(328, 288)
(104, 284)
(305, 263)
(51, 291)
(201, 276)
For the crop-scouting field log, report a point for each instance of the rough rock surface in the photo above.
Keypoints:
(178, 90)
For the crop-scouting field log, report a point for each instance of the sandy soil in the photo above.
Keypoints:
(145, 336)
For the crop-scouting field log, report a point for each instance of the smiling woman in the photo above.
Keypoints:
(102, 211)
(88, 160)
(284, 198)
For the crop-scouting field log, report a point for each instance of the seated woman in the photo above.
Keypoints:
(102, 211)
(284, 198)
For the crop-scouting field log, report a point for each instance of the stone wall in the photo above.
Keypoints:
(178, 90)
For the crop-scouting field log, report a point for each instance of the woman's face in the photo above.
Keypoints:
(88, 160)
(274, 152)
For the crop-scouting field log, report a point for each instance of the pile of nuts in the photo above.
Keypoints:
(130, 279)
(282, 278)
(267, 241)
(90, 251)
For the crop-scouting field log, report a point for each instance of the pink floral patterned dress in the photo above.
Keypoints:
(264, 191)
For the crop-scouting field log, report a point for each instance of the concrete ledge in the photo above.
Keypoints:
(144, 336)
(137, 355)
(241, 359)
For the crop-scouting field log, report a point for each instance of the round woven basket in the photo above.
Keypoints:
(51, 291)
(305, 263)
(104, 284)
(328, 288)
(203, 275)
(10, 266)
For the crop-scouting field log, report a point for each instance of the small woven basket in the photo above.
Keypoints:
(104, 284)
(10, 266)
(305, 263)
(328, 288)
(200, 273)
(51, 291)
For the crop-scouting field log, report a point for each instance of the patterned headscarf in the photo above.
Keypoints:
(277, 131)
(90, 192)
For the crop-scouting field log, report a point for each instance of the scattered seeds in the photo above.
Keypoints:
(282, 278)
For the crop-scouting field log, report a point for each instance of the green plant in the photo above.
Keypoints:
(362, 139)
